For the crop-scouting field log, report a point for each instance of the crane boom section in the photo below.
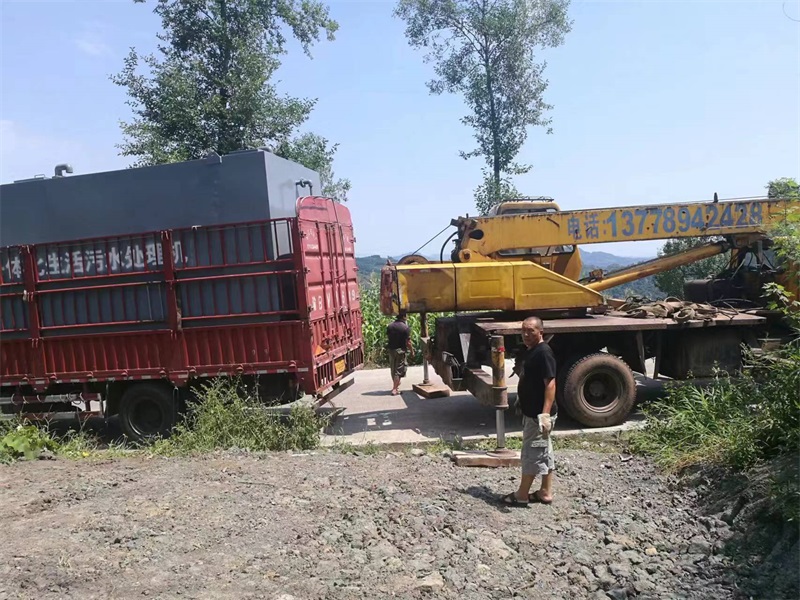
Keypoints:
(482, 238)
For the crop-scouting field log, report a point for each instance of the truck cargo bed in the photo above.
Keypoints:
(270, 296)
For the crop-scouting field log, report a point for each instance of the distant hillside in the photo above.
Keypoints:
(603, 260)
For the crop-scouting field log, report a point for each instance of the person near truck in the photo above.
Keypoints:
(399, 343)
(536, 397)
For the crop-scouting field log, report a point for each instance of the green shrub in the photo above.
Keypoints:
(733, 422)
(224, 418)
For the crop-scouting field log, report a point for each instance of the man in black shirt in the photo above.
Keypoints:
(536, 395)
(399, 335)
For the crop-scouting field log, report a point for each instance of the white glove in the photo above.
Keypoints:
(545, 424)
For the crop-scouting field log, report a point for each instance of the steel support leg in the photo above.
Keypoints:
(426, 389)
(500, 392)
(501, 429)
(424, 335)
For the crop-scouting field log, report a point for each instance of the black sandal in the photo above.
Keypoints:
(511, 500)
(535, 497)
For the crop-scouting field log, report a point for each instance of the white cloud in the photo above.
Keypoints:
(91, 40)
(92, 47)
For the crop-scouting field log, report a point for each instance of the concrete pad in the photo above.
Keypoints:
(373, 416)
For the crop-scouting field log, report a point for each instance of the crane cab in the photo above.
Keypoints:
(563, 259)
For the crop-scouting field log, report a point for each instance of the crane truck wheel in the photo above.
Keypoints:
(598, 390)
(147, 411)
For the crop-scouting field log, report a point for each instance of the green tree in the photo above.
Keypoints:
(785, 187)
(671, 282)
(486, 52)
(490, 192)
(787, 234)
(314, 152)
(210, 86)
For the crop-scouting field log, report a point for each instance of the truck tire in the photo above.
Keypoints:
(147, 411)
(598, 390)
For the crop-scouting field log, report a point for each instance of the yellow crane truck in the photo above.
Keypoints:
(522, 259)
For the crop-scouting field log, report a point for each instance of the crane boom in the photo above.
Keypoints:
(483, 238)
(522, 261)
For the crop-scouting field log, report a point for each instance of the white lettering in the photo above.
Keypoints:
(88, 262)
(155, 254)
(114, 259)
(100, 261)
(77, 262)
(16, 268)
(66, 264)
(127, 258)
(138, 257)
(177, 254)
(52, 264)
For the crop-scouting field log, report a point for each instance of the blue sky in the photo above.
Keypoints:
(653, 102)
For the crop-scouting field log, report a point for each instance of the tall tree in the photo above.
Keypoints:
(486, 51)
(210, 86)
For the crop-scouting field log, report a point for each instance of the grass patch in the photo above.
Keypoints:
(731, 422)
(222, 419)
(737, 424)
(225, 419)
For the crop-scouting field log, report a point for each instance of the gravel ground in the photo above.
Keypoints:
(335, 525)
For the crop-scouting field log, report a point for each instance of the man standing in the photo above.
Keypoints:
(399, 335)
(536, 395)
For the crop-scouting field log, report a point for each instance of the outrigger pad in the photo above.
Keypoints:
(431, 390)
(486, 459)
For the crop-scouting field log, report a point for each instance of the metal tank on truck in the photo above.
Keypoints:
(121, 292)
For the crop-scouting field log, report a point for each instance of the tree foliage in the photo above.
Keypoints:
(787, 234)
(785, 187)
(671, 282)
(210, 86)
(485, 50)
(490, 192)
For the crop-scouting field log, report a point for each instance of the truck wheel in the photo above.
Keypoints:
(599, 390)
(147, 411)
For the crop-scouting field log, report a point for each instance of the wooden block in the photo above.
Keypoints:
(486, 459)
(431, 390)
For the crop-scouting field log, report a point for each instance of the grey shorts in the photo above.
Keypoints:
(537, 451)
(397, 363)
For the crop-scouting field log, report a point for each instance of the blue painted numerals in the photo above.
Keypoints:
(633, 223)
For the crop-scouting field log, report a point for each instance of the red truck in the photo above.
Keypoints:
(129, 324)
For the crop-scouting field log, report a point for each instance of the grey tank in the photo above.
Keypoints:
(250, 185)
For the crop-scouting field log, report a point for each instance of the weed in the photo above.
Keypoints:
(25, 441)
(225, 419)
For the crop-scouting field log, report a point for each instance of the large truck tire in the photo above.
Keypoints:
(598, 390)
(147, 411)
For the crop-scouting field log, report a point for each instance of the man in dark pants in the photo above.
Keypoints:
(536, 395)
(399, 335)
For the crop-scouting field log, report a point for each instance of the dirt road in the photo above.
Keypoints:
(333, 525)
